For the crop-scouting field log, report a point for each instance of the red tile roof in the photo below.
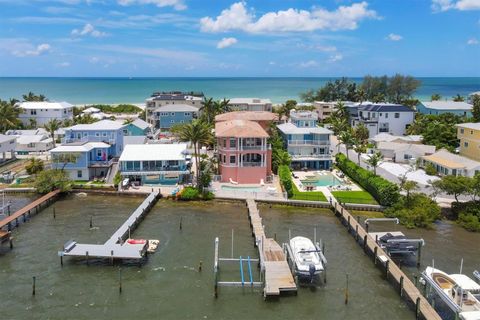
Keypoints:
(239, 129)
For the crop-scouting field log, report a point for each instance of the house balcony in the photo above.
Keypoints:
(308, 142)
(311, 156)
(246, 148)
(101, 163)
(108, 140)
(156, 170)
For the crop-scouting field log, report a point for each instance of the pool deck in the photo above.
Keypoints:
(238, 191)
(346, 182)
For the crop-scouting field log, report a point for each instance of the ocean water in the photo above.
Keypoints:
(135, 90)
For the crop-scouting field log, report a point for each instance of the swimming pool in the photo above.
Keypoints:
(322, 180)
(245, 189)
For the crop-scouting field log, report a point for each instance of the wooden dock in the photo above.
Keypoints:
(12, 221)
(393, 272)
(278, 277)
(115, 247)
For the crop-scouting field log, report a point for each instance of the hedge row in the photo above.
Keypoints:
(385, 192)
(286, 179)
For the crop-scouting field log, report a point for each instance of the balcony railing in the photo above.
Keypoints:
(317, 156)
(101, 163)
(156, 169)
(252, 164)
(309, 142)
(246, 148)
(108, 140)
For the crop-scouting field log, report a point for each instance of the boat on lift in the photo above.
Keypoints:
(307, 257)
(458, 291)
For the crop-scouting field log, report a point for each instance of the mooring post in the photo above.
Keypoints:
(33, 285)
(87, 257)
(419, 254)
(91, 222)
(111, 259)
(232, 243)
(375, 249)
(120, 280)
(366, 227)
(181, 219)
(356, 232)
(387, 265)
(401, 286)
(415, 280)
(275, 236)
(346, 289)
(200, 266)
(348, 224)
(376, 238)
(61, 260)
(365, 243)
(10, 239)
(417, 308)
(54, 215)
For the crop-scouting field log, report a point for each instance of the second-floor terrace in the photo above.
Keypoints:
(243, 144)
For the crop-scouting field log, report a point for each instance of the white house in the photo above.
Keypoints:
(28, 141)
(44, 111)
(7, 145)
(404, 152)
(250, 104)
(386, 137)
(386, 118)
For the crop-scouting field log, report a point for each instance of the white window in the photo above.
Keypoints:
(465, 144)
(462, 131)
(97, 134)
(173, 114)
(232, 159)
(386, 115)
(104, 134)
(85, 134)
(172, 121)
(79, 173)
(187, 114)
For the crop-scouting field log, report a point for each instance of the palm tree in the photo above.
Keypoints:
(375, 160)
(361, 133)
(32, 97)
(279, 158)
(346, 137)
(198, 134)
(436, 97)
(221, 106)
(208, 109)
(32, 123)
(8, 116)
(34, 166)
(361, 95)
(359, 147)
(128, 121)
(52, 126)
(458, 98)
(408, 186)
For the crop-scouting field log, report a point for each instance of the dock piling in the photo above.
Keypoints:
(401, 286)
(346, 288)
(91, 222)
(419, 254)
(181, 218)
(54, 215)
(33, 285)
(200, 266)
(120, 280)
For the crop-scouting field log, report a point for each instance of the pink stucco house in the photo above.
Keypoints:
(244, 156)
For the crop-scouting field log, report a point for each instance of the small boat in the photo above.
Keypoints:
(136, 241)
(459, 292)
(308, 258)
(152, 245)
(397, 243)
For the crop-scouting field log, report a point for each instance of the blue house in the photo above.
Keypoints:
(167, 116)
(83, 160)
(137, 128)
(306, 142)
(107, 131)
(458, 108)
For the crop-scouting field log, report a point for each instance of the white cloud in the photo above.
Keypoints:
(63, 64)
(176, 4)
(33, 51)
(326, 48)
(88, 29)
(226, 42)
(238, 17)
(308, 64)
(472, 41)
(462, 5)
(335, 58)
(394, 37)
(94, 60)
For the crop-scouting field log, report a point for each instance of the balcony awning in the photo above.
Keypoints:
(149, 173)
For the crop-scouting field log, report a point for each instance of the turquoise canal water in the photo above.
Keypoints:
(125, 90)
(169, 285)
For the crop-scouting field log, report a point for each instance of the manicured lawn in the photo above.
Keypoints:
(360, 197)
(310, 195)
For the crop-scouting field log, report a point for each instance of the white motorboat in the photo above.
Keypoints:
(308, 258)
(458, 291)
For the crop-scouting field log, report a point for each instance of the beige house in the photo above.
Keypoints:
(469, 135)
(447, 163)
(404, 152)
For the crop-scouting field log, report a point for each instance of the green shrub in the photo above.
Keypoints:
(285, 177)
(416, 211)
(385, 192)
(189, 193)
(468, 214)
(52, 179)
(430, 169)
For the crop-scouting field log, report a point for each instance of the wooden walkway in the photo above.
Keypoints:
(273, 262)
(35, 205)
(407, 288)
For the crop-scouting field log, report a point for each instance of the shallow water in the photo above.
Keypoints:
(169, 285)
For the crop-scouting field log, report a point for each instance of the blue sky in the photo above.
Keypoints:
(234, 38)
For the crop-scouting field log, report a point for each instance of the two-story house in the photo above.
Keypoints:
(159, 99)
(107, 131)
(386, 118)
(7, 145)
(138, 127)
(170, 115)
(306, 142)
(43, 111)
(263, 118)
(469, 135)
(250, 104)
(31, 141)
(83, 160)
(244, 155)
(154, 164)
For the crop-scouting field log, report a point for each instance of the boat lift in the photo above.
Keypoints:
(244, 282)
(320, 249)
(395, 242)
